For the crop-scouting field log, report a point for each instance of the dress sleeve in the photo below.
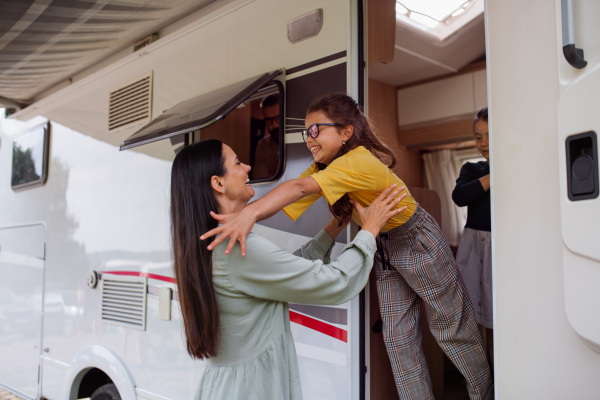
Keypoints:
(318, 248)
(269, 272)
(468, 187)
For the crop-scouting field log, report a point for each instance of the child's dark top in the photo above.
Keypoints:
(469, 192)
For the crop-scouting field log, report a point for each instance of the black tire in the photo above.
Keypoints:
(106, 392)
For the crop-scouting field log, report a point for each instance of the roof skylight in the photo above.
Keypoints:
(440, 18)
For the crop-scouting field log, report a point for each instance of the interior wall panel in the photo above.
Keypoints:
(382, 111)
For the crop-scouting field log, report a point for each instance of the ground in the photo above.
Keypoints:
(454, 388)
(4, 395)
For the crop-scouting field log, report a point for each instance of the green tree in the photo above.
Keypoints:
(23, 166)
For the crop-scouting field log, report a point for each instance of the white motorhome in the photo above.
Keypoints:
(88, 299)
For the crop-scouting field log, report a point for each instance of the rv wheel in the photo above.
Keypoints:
(106, 392)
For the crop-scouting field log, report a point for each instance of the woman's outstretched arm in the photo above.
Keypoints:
(238, 226)
(269, 272)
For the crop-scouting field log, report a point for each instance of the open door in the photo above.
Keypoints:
(543, 112)
(578, 128)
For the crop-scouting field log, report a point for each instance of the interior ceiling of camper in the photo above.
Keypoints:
(423, 50)
(44, 42)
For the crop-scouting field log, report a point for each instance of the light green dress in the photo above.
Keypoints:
(256, 358)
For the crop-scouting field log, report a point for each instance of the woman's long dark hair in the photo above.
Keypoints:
(192, 199)
(343, 110)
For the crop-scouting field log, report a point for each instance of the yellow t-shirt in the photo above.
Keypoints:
(360, 174)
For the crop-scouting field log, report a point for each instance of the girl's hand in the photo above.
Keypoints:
(381, 209)
(335, 227)
(485, 182)
(235, 226)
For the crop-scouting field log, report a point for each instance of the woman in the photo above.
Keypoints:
(233, 307)
(474, 256)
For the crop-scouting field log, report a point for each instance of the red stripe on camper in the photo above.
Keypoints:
(143, 274)
(319, 326)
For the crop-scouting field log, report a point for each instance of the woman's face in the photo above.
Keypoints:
(325, 146)
(236, 179)
(482, 138)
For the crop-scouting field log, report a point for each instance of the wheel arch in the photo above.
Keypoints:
(106, 361)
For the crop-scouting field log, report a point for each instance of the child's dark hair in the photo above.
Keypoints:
(482, 115)
(343, 110)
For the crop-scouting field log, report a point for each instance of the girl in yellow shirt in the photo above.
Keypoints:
(414, 263)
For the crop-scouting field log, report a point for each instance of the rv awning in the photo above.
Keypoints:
(198, 112)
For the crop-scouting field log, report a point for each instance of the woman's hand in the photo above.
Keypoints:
(235, 226)
(381, 209)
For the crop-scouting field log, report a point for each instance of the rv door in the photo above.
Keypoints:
(578, 127)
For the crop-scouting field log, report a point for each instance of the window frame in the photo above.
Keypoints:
(281, 165)
(45, 157)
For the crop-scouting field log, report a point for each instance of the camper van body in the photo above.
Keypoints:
(107, 211)
(98, 209)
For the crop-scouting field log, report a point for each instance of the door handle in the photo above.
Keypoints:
(582, 166)
(573, 55)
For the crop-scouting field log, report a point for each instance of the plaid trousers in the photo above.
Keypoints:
(414, 264)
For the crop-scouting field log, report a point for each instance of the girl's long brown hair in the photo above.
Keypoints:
(192, 199)
(343, 110)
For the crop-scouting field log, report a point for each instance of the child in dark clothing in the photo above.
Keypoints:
(474, 256)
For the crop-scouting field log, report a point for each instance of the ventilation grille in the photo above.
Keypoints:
(124, 301)
(130, 104)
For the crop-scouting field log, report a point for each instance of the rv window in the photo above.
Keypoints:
(198, 112)
(253, 132)
(30, 157)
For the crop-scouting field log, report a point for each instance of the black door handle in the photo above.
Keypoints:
(573, 55)
(582, 166)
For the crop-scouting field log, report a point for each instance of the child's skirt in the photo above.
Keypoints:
(415, 265)
(474, 259)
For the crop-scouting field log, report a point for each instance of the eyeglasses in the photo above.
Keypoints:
(271, 120)
(314, 131)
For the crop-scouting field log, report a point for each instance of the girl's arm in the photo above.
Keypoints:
(485, 182)
(469, 187)
(238, 226)
(319, 248)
